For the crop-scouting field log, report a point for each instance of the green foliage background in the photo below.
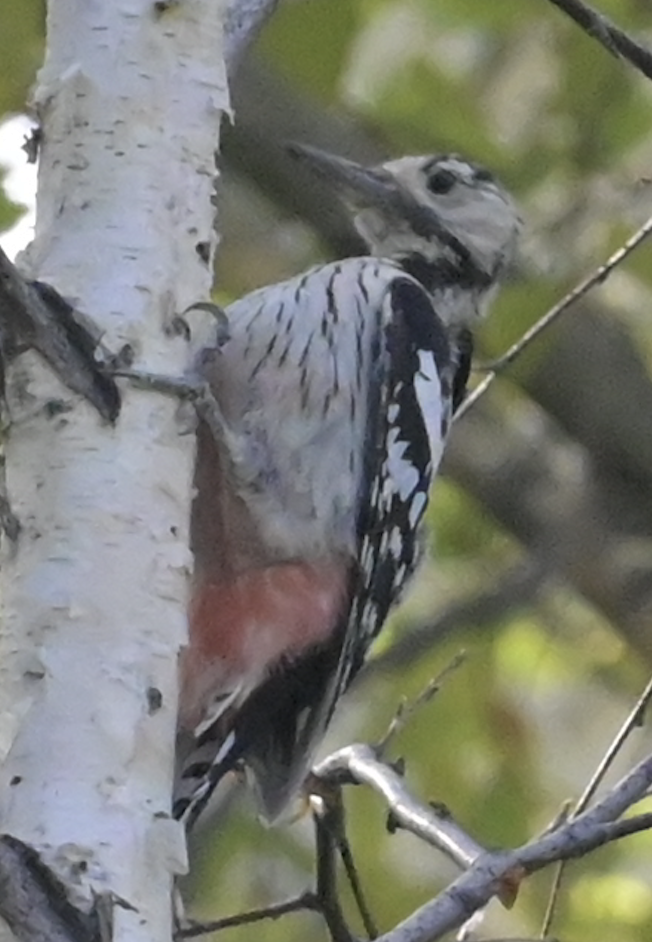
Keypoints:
(552, 670)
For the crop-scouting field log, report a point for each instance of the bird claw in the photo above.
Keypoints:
(189, 389)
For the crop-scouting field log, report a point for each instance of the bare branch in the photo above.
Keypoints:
(406, 711)
(330, 832)
(328, 824)
(634, 825)
(32, 901)
(356, 886)
(599, 276)
(359, 764)
(306, 902)
(633, 720)
(490, 873)
(34, 315)
(614, 40)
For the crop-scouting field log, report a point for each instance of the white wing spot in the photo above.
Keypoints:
(216, 709)
(224, 748)
(427, 389)
(403, 473)
(366, 556)
(417, 507)
(396, 541)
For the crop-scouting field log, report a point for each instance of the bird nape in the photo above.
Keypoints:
(337, 389)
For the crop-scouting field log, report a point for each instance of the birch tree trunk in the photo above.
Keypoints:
(94, 592)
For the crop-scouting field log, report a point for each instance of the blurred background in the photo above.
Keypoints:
(541, 525)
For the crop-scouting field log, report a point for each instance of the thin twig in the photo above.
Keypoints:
(634, 719)
(614, 40)
(356, 886)
(306, 902)
(634, 825)
(599, 276)
(325, 829)
(329, 813)
(406, 711)
(336, 823)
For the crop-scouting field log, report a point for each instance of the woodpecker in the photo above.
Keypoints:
(336, 390)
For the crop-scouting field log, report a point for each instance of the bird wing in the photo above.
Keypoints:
(396, 369)
(408, 415)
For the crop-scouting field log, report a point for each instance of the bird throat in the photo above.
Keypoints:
(440, 273)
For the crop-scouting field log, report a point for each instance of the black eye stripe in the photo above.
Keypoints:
(482, 175)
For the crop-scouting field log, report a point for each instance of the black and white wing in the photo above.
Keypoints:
(409, 416)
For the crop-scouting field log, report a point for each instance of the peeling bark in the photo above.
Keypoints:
(94, 589)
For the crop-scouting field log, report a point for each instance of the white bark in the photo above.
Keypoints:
(94, 594)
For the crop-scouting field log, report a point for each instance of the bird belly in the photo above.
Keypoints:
(241, 628)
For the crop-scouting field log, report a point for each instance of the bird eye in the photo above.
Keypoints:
(441, 181)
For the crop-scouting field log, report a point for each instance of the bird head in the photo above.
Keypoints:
(435, 207)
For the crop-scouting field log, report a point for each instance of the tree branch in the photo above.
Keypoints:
(359, 764)
(353, 877)
(304, 902)
(487, 874)
(33, 902)
(406, 711)
(597, 277)
(613, 39)
(328, 823)
(634, 719)
(492, 872)
(35, 315)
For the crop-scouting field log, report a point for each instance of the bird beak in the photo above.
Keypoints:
(375, 188)
(363, 186)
